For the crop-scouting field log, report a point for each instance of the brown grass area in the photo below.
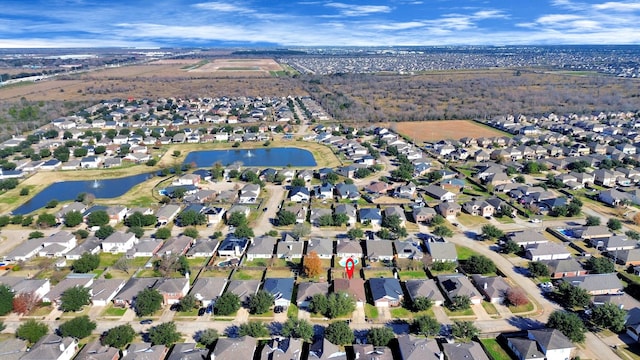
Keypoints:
(239, 66)
(443, 129)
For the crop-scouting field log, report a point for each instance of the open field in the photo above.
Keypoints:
(443, 129)
(238, 67)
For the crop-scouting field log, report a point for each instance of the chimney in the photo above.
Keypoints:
(61, 347)
(484, 286)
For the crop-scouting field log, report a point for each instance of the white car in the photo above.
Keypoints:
(535, 221)
(546, 286)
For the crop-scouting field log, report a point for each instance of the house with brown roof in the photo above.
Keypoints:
(52, 347)
(564, 267)
(424, 288)
(458, 285)
(418, 348)
(234, 348)
(144, 351)
(354, 287)
(96, 351)
(307, 290)
(494, 288)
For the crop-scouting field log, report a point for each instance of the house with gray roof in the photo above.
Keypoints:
(25, 250)
(528, 237)
(20, 285)
(449, 210)
(597, 284)
(458, 285)
(546, 251)
(243, 288)
(348, 248)
(144, 351)
(423, 214)
(208, 289)
(321, 246)
(282, 349)
(395, 211)
(232, 246)
(494, 288)
(347, 191)
(418, 348)
(316, 213)
(281, 289)
(104, 290)
(119, 242)
(464, 351)
(145, 247)
(67, 283)
(627, 257)
(613, 243)
(187, 351)
(408, 249)
(289, 249)
(96, 351)
(349, 210)
(379, 250)
(261, 248)
(442, 251)
(52, 347)
(368, 351)
(565, 267)
(13, 349)
(386, 292)
(234, 348)
(176, 246)
(90, 245)
(306, 290)
(322, 349)
(424, 288)
(203, 248)
(167, 213)
(550, 342)
(439, 193)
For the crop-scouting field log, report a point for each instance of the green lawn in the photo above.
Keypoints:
(370, 311)
(467, 312)
(292, 311)
(247, 275)
(114, 311)
(417, 274)
(489, 308)
(256, 263)
(108, 259)
(464, 252)
(400, 312)
(496, 352)
(377, 273)
(522, 308)
(277, 273)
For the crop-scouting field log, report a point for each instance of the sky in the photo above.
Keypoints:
(285, 23)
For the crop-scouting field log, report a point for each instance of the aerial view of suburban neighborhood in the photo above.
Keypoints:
(320, 202)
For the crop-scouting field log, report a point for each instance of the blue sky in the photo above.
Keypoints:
(182, 23)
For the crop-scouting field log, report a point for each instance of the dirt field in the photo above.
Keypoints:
(443, 129)
(238, 65)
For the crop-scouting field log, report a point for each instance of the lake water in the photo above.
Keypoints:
(69, 190)
(267, 157)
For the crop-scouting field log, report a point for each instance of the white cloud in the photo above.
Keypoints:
(618, 6)
(223, 7)
(398, 25)
(358, 10)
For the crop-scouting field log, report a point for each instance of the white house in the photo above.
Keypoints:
(119, 242)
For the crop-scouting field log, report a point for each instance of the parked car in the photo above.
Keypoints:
(278, 309)
(146, 322)
(201, 311)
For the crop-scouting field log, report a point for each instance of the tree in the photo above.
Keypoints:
(86, 263)
(191, 232)
(593, 220)
(380, 336)
(208, 337)
(72, 219)
(600, 265)
(340, 219)
(244, 231)
(298, 182)
(137, 231)
(464, 329)
(460, 302)
(141, 220)
(147, 302)
(104, 232)
(538, 269)
(237, 219)
(319, 304)
(164, 334)
(79, 327)
(119, 336)
(188, 302)
(260, 302)
(31, 331)
(6, 300)
(442, 231)
(443, 265)
(227, 304)
(392, 222)
(479, 264)
(312, 265)
(355, 233)
(609, 316)
(98, 218)
(325, 220)
(163, 233)
(254, 329)
(123, 264)
(24, 302)
(567, 323)
(614, 224)
(73, 299)
(191, 217)
(517, 297)
(491, 232)
(46, 221)
(36, 235)
(426, 325)
(422, 303)
(286, 218)
(301, 230)
(297, 328)
(339, 333)
(632, 234)
(510, 247)
(572, 296)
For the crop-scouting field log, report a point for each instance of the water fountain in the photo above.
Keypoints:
(249, 153)
(96, 184)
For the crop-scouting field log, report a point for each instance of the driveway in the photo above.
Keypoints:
(276, 195)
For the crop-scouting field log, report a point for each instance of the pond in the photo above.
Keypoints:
(266, 157)
(69, 190)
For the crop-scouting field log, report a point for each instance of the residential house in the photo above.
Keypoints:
(94, 350)
(386, 292)
(52, 347)
(249, 194)
(261, 248)
(462, 351)
(322, 349)
(299, 210)
(418, 348)
(405, 191)
(20, 285)
(613, 243)
(494, 288)
(591, 232)
(243, 288)
(282, 349)
(146, 247)
(119, 242)
(597, 284)
(442, 251)
(103, 291)
(306, 291)
(605, 177)
(67, 283)
(289, 249)
(144, 351)
(324, 191)
(528, 237)
(167, 213)
(347, 191)
(424, 288)
(188, 351)
(368, 351)
(299, 194)
(565, 268)
(423, 214)
(395, 211)
(281, 289)
(546, 251)
(348, 210)
(348, 249)
(379, 250)
(202, 248)
(614, 197)
(478, 208)
(232, 246)
(317, 213)
(543, 343)
(176, 246)
(439, 193)
(208, 289)
(372, 216)
(458, 285)
(627, 257)
(214, 215)
(57, 244)
(171, 289)
(354, 287)
(238, 209)
(449, 210)
(377, 187)
(408, 249)
(321, 246)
